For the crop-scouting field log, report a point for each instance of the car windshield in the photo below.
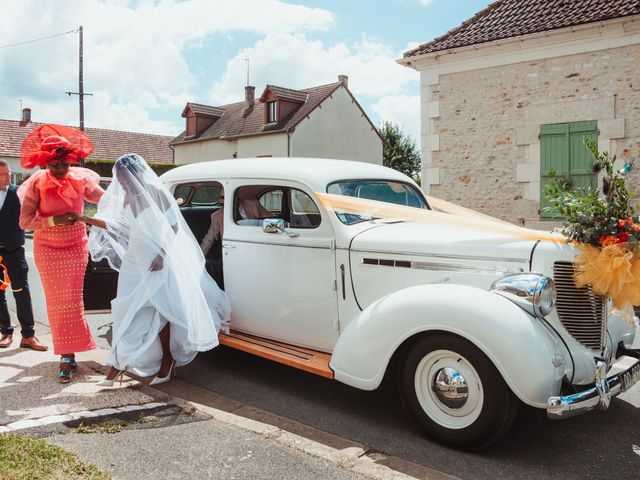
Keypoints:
(380, 190)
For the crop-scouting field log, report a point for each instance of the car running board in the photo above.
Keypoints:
(297, 357)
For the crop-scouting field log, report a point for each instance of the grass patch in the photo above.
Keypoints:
(104, 427)
(24, 458)
(148, 419)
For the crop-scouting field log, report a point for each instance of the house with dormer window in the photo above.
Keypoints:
(509, 97)
(324, 122)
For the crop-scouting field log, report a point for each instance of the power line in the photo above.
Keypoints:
(30, 87)
(39, 39)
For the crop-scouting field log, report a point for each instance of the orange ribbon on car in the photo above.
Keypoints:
(6, 282)
(444, 213)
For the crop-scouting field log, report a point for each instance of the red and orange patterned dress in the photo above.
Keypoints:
(60, 251)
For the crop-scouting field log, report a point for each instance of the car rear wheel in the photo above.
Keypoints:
(455, 392)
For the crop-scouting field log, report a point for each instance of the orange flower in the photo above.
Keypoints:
(607, 240)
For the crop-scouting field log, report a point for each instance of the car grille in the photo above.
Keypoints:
(583, 314)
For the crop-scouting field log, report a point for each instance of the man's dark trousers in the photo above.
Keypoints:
(18, 269)
(12, 253)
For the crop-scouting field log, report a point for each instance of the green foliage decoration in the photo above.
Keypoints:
(104, 167)
(593, 217)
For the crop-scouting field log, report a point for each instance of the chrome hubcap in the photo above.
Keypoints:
(450, 388)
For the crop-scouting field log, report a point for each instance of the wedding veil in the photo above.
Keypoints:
(145, 227)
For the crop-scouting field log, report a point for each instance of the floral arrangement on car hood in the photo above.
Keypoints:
(604, 230)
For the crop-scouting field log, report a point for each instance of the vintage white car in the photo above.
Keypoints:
(344, 269)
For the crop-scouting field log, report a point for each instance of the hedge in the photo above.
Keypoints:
(104, 167)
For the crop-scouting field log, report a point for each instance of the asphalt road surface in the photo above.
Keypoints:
(597, 445)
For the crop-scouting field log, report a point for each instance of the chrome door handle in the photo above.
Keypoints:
(228, 246)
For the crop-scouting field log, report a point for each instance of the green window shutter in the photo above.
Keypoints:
(580, 158)
(562, 150)
(554, 158)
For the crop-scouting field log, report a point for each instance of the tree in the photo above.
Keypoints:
(399, 151)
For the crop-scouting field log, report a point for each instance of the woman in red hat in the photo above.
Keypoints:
(52, 202)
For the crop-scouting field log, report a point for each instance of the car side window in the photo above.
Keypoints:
(197, 202)
(182, 193)
(198, 195)
(272, 202)
(253, 203)
(304, 212)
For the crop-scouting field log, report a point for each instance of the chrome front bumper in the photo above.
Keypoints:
(623, 374)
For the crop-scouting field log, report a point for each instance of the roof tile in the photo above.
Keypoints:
(235, 124)
(513, 18)
(108, 144)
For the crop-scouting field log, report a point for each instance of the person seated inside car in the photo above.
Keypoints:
(211, 243)
(251, 209)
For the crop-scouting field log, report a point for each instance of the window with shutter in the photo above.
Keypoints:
(563, 155)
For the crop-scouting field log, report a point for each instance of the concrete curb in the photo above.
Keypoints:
(351, 458)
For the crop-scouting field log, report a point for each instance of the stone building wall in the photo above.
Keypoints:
(487, 153)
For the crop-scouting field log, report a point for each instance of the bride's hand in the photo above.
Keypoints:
(156, 264)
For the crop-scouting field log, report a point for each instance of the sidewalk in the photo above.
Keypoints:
(161, 436)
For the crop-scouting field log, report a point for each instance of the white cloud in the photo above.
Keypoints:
(403, 110)
(133, 51)
(426, 2)
(137, 65)
(292, 60)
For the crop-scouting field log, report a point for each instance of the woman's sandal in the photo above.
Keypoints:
(67, 366)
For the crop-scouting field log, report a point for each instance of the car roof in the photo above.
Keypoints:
(314, 172)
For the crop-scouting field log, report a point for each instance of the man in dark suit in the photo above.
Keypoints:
(12, 253)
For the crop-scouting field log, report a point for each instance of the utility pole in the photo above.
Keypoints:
(80, 91)
(81, 82)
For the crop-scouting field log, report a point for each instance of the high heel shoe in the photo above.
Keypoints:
(67, 366)
(105, 382)
(165, 379)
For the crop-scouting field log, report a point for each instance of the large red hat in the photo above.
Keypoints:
(49, 143)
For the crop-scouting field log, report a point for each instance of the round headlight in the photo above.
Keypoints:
(531, 291)
(545, 297)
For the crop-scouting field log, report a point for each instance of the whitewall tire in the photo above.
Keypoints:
(454, 391)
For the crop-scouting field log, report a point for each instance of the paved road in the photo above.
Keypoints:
(597, 445)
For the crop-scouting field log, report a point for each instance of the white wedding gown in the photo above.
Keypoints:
(143, 222)
(147, 300)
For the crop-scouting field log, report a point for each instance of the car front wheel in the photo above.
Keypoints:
(455, 392)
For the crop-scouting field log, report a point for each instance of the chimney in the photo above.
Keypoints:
(249, 99)
(344, 80)
(26, 117)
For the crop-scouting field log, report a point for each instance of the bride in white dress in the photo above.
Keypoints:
(167, 307)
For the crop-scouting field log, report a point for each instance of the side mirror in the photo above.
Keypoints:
(272, 225)
(277, 225)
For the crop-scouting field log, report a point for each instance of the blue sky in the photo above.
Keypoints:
(145, 59)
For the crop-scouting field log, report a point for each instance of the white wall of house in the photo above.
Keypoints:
(274, 144)
(337, 129)
(482, 107)
(14, 165)
(203, 151)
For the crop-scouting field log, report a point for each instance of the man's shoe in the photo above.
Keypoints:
(6, 340)
(33, 344)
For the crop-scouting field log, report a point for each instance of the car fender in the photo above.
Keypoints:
(527, 354)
